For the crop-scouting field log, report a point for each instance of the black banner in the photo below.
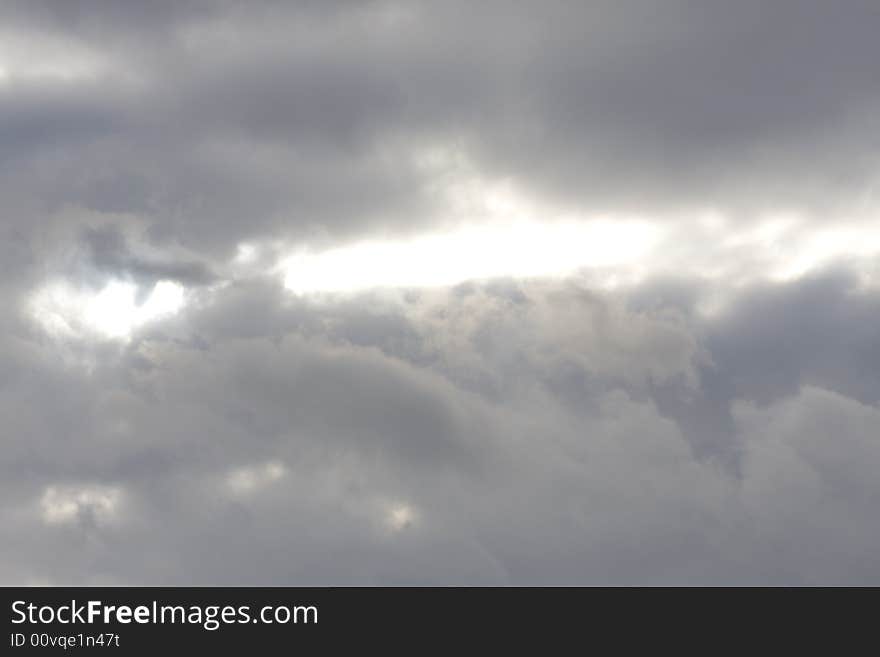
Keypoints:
(148, 620)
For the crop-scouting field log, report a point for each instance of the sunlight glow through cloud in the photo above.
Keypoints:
(480, 252)
(41, 57)
(113, 312)
(249, 479)
(67, 504)
(609, 254)
(401, 516)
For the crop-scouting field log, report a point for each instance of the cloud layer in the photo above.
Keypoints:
(290, 298)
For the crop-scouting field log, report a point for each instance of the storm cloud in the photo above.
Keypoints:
(439, 293)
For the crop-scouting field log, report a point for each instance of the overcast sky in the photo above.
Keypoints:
(434, 293)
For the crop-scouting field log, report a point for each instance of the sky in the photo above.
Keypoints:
(423, 293)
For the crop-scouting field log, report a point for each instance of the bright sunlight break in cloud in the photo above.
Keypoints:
(111, 312)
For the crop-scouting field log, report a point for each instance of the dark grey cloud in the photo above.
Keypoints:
(109, 253)
(835, 345)
(216, 121)
(495, 432)
(538, 456)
